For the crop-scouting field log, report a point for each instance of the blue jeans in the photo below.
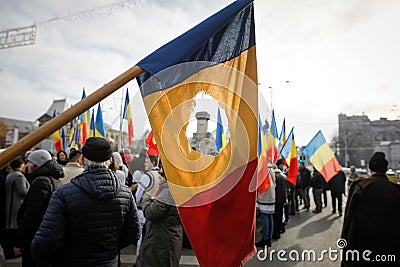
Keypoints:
(268, 225)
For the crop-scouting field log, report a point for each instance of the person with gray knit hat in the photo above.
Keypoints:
(45, 174)
(39, 157)
(90, 219)
(370, 221)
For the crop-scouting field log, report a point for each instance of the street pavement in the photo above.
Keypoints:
(128, 258)
(306, 233)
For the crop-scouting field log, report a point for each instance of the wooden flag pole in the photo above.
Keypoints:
(56, 123)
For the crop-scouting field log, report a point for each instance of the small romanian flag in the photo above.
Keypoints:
(58, 142)
(92, 128)
(289, 154)
(127, 115)
(272, 149)
(99, 125)
(220, 138)
(84, 121)
(322, 157)
(263, 173)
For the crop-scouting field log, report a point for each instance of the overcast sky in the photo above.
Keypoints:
(338, 56)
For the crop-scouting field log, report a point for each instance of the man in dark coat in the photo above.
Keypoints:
(89, 219)
(337, 186)
(305, 177)
(370, 223)
(316, 182)
(281, 185)
(45, 174)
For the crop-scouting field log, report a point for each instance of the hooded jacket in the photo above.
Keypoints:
(45, 180)
(88, 221)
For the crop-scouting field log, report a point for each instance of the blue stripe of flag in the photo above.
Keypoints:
(315, 143)
(202, 44)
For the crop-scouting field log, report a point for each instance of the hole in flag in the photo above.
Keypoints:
(208, 129)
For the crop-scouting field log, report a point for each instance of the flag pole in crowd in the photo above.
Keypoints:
(68, 115)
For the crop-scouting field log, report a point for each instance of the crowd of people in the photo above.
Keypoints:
(283, 199)
(83, 207)
(370, 218)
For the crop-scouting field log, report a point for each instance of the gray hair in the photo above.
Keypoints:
(90, 163)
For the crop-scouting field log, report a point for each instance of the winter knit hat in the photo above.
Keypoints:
(378, 163)
(97, 149)
(39, 157)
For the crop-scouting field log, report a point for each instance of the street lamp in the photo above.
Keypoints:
(270, 87)
(346, 154)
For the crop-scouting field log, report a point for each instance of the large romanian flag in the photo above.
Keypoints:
(215, 196)
(322, 157)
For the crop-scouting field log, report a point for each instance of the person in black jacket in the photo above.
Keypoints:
(305, 176)
(281, 184)
(45, 174)
(316, 184)
(337, 185)
(90, 219)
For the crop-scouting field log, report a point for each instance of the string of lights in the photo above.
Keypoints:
(22, 36)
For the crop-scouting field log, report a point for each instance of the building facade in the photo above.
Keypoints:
(359, 138)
